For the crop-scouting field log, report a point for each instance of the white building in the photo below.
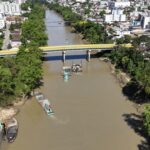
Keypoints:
(145, 22)
(119, 4)
(117, 15)
(81, 1)
(2, 22)
(20, 1)
(10, 8)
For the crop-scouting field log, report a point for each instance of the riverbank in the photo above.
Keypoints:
(90, 111)
(123, 79)
(8, 112)
(91, 31)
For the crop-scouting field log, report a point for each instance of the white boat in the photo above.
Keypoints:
(66, 73)
(67, 69)
(44, 103)
(47, 107)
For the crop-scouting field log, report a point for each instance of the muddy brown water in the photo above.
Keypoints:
(89, 108)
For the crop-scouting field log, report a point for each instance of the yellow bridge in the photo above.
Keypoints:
(47, 49)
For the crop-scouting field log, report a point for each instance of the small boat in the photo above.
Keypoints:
(66, 76)
(76, 68)
(67, 69)
(47, 107)
(66, 73)
(44, 103)
(39, 96)
(1, 132)
(11, 130)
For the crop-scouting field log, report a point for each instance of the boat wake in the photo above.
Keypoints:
(59, 121)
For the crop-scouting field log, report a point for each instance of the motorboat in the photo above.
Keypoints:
(66, 72)
(39, 96)
(11, 130)
(45, 103)
(46, 106)
(76, 68)
(66, 76)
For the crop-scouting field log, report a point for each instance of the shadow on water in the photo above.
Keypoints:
(135, 93)
(101, 54)
(136, 123)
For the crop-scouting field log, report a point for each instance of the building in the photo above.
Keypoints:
(20, 1)
(116, 15)
(15, 39)
(8, 8)
(145, 22)
(2, 22)
(119, 4)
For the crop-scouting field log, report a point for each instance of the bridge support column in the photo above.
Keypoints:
(88, 55)
(63, 56)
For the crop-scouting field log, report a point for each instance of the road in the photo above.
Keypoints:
(6, 39)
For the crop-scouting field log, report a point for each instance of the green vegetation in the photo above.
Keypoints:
(101, 13)
(124, 40)
(15, 26)
(93, 32)
(1, 41)
(20, 75)
(25, 6)
(147, 119)
(33, 29)
(132, 62)
(66, 12)
(141, 43)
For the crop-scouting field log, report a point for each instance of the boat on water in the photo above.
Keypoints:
(11, 130)
(44, 103)
(67, 69)
(76, 68)
(66, 73)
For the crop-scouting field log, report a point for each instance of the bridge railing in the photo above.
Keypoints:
(66, 48)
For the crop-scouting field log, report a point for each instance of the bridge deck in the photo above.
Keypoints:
(66, 48)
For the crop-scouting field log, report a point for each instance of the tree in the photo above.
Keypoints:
(127, 39)
(136, 43)
(29, 66)
(25, 6)
(120, 41)
(33, 29)
(147, 118)
(6, 86)
(102, 13)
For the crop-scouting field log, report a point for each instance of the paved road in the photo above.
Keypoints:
(6, 40)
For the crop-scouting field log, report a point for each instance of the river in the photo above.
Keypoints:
(90, 108)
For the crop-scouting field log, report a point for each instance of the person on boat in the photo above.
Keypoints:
(4, 128)
(1, 126)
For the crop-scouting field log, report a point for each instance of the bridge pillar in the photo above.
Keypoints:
(88, 55)
(63, 56)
